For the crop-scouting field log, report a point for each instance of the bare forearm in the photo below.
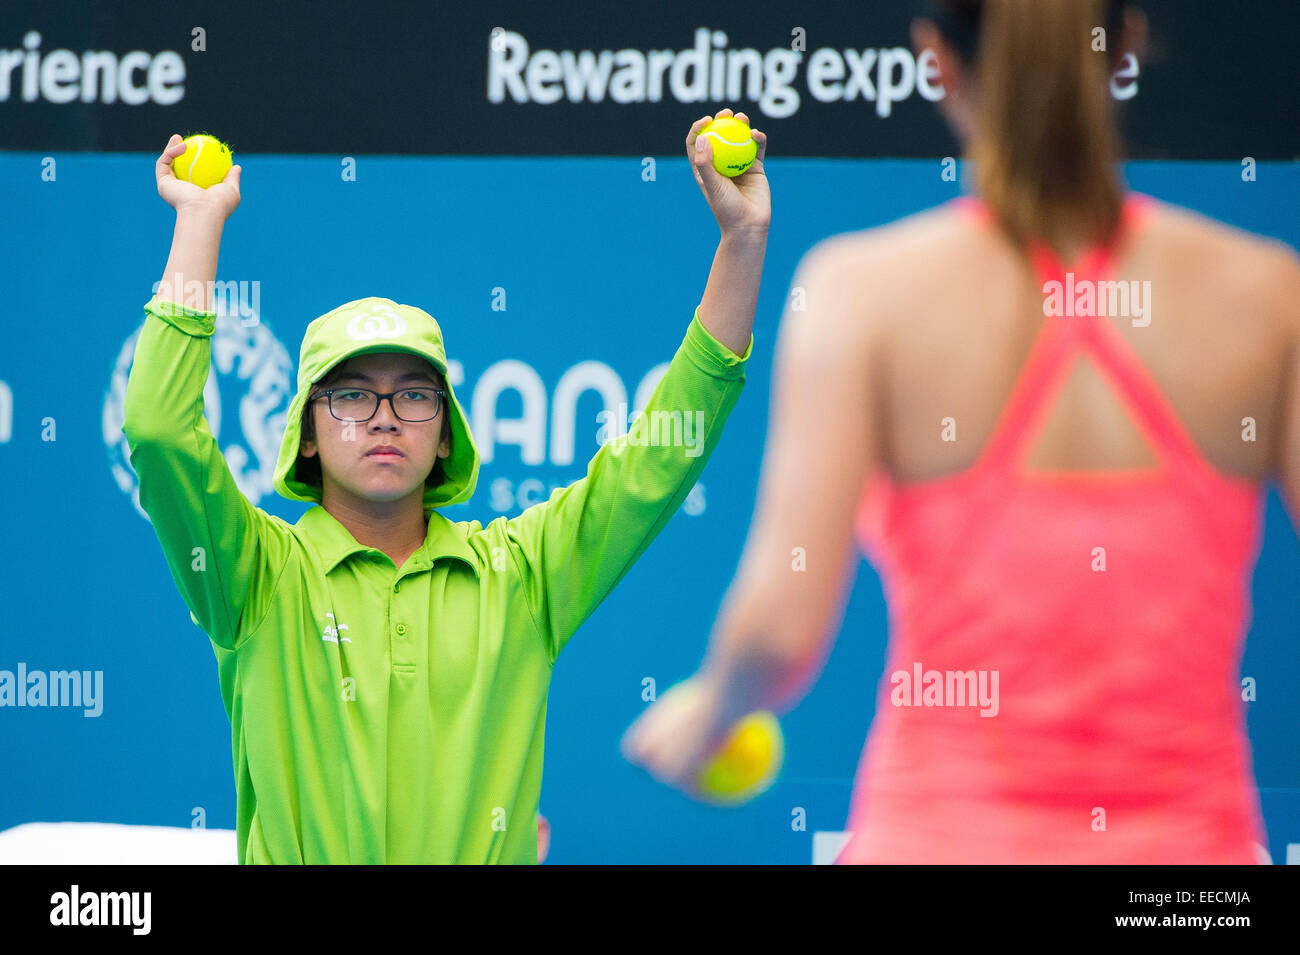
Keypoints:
(192, 265)
(755, 660)
(731, 296)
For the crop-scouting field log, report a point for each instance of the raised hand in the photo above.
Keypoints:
(222, 198)
(743, 204)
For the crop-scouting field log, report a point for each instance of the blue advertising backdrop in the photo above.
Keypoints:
(595, 265)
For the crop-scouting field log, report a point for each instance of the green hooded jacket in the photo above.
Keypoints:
(382, 714)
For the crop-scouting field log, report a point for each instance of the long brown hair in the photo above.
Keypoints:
(1045, 143)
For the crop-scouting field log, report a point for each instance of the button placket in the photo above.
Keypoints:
(398, 640)
(402, 633)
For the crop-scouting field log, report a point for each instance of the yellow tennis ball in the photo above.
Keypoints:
(747, 763)
(205, 162)
(734, 148)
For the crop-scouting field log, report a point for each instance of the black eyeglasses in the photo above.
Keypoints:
(360, 404)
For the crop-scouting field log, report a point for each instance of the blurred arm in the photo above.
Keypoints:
(1288, 463)
(779, 617)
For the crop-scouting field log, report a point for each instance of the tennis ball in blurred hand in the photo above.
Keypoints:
(205, 162)
(747, 763)
(734, 148)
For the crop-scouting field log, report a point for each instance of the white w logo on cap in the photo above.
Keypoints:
(381, 322)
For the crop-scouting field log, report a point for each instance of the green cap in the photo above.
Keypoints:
(357, 328)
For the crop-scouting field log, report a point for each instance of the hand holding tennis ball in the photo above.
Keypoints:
(683, 740)
(727, 159)
(196, 173)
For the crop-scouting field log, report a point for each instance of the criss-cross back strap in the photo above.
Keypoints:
(1084, 293)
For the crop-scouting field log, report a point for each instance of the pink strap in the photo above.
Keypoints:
(1043, 374)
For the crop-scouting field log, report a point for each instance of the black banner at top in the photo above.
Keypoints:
(528, 78)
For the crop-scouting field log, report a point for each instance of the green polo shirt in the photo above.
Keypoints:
(396, 715)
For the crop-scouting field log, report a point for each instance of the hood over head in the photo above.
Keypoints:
(376, 325)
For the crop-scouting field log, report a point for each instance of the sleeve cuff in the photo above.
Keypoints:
(715, 357)
(191, 321)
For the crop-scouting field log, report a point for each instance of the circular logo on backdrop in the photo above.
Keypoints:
(380, 322)
(250, 375)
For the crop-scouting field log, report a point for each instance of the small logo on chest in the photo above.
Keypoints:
(332, 631)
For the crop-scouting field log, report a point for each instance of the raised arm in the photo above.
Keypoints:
(572, 549)
(201, 216)
(575, 547)
(218, 547)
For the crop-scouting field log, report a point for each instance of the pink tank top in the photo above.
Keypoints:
(1062, 679)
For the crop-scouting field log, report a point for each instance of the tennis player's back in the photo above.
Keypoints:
(958, 309)
(1065, 520)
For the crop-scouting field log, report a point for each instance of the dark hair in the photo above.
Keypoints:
(307, 470)
(1045, 143)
